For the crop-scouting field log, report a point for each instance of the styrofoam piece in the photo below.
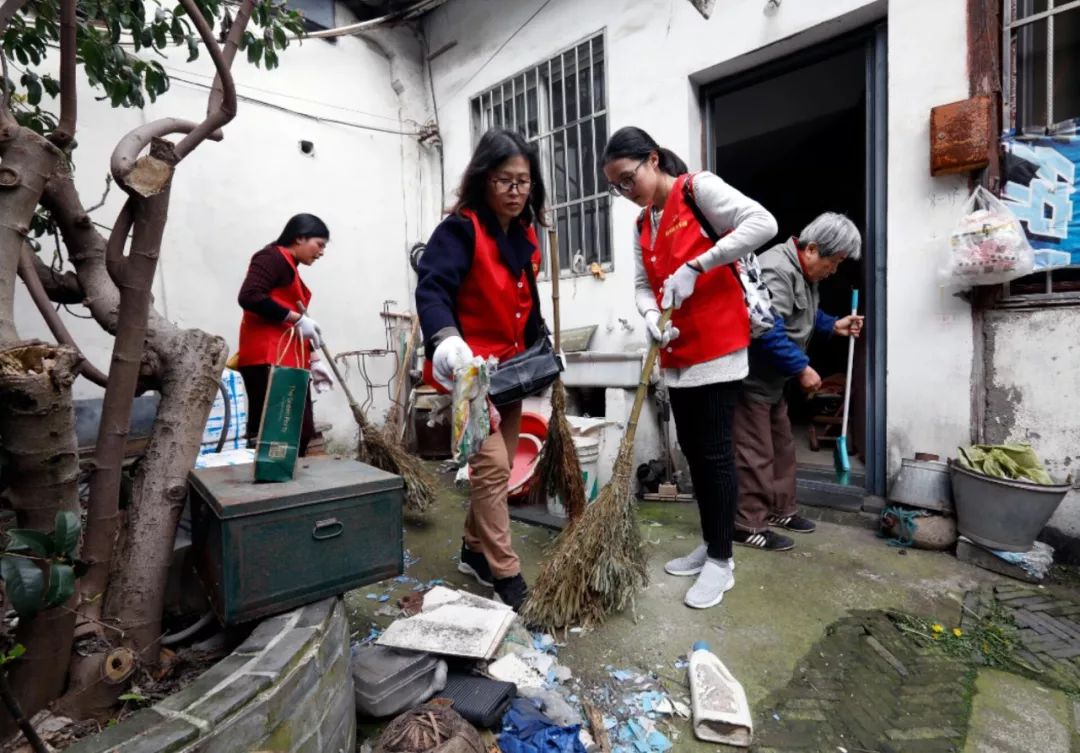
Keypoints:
(452, 623)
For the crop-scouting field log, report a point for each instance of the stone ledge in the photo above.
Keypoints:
(287, 688)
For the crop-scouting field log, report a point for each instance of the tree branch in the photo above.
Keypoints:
(8, 9)
(60, 287)
(220, 112)
(232, 44)
(30, 278)
(127, 151)
(69, 89)
(114, 251)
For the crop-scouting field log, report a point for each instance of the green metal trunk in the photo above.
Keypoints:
(266, 548)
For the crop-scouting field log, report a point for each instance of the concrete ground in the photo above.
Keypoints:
(780, 607)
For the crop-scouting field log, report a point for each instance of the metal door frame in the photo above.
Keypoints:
(818, 489)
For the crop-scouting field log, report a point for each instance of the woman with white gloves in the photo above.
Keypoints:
(476, 296)
(269, 297)
(703, 349)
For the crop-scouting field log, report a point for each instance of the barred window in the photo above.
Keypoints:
(1041, 88)
(560, 106)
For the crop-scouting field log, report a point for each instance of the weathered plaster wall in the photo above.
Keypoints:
(1033, 392)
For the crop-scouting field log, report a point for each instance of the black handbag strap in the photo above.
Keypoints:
(688, 197)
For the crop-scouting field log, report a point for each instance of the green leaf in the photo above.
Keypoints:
(52, 86)
(16, 651)
(161, 38)
(25, 584)
(61, 585)
(254, 52)
(281, 39)
(66, 535)
(193, 48)
(38, 543)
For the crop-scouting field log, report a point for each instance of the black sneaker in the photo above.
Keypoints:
(475, 564)
(512, 591)
(767, 540)
(795, 522)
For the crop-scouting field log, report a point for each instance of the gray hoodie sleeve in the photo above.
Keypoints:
(751, 225)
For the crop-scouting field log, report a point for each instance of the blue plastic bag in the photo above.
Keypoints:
(526, 730)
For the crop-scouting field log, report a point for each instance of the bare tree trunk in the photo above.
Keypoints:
(149, 184)
(37, 430)
(28, 161)
(136, 599)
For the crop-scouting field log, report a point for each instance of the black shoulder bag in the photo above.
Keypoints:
(531, 371)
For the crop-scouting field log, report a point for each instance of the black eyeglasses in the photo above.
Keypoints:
(626, 185)
(506, 185)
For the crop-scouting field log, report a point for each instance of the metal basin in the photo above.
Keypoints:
(1002, 514)
(924, 484)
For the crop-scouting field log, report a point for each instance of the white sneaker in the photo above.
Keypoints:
(692, 563)
(717, 577)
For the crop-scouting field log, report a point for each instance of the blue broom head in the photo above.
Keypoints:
(841, 461)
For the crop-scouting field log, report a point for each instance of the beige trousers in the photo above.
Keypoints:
(487, 523)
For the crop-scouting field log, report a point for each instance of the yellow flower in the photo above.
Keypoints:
(957, 632)
(937, 628)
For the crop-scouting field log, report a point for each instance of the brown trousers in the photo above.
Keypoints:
(764, 463)
(487, 523)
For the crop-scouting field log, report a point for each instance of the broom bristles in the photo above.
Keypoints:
(558, 472)
(598, 564)
(383, 452)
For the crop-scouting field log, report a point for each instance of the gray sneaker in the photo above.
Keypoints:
(717, 578)
(692, 563)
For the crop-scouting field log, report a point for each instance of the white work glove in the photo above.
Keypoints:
(452, 354)
(679, 286)
(310, 330)
(321, 377)
(652, 326)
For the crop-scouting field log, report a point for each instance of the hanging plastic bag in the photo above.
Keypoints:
(987, 246)
(472, 413)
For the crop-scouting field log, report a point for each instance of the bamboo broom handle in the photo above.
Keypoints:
(643, 384)
(355, 406)
(553, 252)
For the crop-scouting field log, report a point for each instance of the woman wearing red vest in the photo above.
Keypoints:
(269, 297)
(476, 296)
(704, 348)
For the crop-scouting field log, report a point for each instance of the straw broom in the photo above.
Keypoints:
(598, 564)
(379, 449)
(558, 471)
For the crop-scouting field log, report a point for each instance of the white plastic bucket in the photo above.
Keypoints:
(588, 453)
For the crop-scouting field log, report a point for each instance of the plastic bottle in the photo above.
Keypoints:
(718, 701)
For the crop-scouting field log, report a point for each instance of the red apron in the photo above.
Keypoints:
(713, 321)
(263, 342)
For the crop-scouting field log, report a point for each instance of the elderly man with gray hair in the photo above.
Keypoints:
(764, 445)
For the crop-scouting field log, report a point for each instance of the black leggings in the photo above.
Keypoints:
(704, 417)
(256, 381)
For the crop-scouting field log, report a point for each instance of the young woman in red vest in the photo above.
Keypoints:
(704, 348)
(269, 299)
(476, 296)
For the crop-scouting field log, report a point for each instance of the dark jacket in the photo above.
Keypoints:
(445, 264)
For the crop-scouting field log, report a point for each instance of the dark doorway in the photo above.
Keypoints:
(800, 136)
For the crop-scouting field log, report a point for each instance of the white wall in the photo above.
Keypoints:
(377, 191)
(656, 54)
(1033, 388)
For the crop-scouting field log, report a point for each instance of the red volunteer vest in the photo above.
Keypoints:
(263, 342)
(493, 306)
(713, 321)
